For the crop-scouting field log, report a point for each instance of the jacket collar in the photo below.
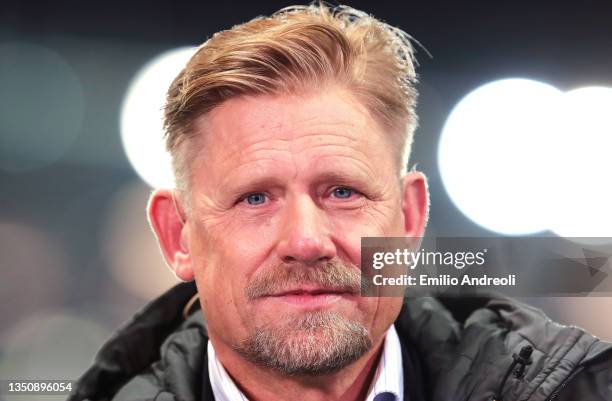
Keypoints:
(454, 348)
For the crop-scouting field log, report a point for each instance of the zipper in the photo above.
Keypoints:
(564, 383)
(522, 359)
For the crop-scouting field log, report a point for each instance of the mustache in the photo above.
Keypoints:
(331, 275)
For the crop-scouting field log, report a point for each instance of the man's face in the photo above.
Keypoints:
(282, 191)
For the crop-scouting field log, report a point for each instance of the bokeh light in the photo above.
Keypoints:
(41, 106)
(34, 271)
(142, 117)
(492, 154)
(53, 344)
(580, 205)
(129, 247)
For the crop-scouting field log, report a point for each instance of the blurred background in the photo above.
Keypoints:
(515, 136)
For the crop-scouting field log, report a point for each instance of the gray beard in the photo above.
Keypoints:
(316, 343)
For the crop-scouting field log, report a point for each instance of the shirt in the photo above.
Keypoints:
(388, 383)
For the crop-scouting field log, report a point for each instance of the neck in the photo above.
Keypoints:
(263, 384)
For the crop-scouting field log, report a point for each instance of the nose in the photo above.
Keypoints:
(305, 236)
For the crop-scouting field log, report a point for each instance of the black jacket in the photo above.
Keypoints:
(457, 349)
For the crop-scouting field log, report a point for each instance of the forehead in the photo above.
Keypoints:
(334, 115)
(305, 139)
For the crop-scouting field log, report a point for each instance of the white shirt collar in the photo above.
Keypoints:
(389, 375)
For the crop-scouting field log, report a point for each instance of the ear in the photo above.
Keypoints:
(168, 222)
(415, 204)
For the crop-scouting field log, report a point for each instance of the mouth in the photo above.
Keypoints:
(311, 297)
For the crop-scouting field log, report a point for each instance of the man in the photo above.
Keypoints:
(289, 137)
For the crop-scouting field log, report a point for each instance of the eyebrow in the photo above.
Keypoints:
(269, 181)
(339, 177)
(246, 186)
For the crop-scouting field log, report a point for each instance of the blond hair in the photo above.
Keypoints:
(295, 49)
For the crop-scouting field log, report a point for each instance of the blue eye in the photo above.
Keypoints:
(257, 198)
(343, 192)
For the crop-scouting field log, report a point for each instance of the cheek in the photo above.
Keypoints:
(232, 244)
(221, 290)
(224, 257)
(347, 230)
(238, 237)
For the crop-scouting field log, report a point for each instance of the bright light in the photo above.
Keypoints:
(141, 117)
(492, 154)
(582, 188)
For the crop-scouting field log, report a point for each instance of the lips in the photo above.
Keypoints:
(311, 292)
(310, 298)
